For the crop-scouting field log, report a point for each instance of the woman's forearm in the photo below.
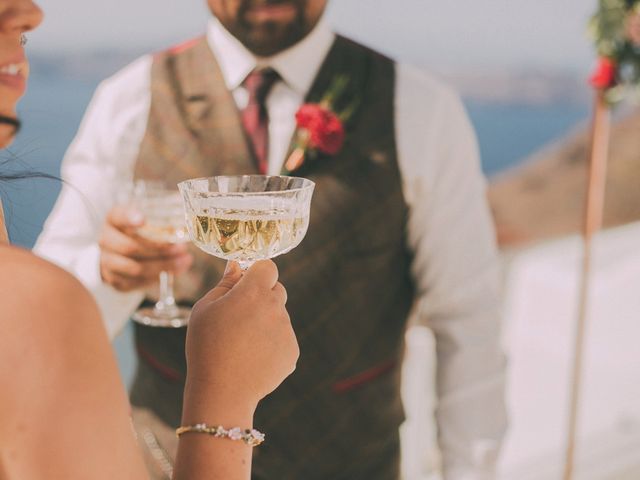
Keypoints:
(203, 456)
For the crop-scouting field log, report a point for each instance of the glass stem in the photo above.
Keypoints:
(166, 305)
(245, 264)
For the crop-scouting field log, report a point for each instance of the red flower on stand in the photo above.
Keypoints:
(615, 28)
(604, 75)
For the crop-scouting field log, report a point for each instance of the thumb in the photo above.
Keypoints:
(232, 274)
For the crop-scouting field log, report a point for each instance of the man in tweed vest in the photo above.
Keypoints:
(399, 221)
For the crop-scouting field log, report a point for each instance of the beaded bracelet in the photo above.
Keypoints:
(251, 437)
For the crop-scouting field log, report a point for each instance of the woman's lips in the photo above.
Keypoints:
(12, 76)
(15, 82)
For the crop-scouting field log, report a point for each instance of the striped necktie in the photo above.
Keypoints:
(255, 118)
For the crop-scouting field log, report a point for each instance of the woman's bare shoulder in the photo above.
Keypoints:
(28, 281)
(44, 309)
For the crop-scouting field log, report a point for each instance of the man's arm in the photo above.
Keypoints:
(97, 165)
(456, 269)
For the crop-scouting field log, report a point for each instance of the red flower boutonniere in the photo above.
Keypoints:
(319, 128)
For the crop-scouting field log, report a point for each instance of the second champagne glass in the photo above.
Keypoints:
(164, 223)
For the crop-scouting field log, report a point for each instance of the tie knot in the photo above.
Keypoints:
(259, 82)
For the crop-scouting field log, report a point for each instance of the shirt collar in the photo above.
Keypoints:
(298, 65)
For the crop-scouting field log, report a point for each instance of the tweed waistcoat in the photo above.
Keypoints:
(348, 281)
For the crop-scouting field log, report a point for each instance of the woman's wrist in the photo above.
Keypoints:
(215, 405)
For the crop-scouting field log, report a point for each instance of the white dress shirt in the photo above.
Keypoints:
(450, 232)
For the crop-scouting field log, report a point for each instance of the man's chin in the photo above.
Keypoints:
(268, 41)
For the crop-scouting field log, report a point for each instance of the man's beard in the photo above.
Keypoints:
(270, 37)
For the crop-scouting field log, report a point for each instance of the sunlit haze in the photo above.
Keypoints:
(513, 34)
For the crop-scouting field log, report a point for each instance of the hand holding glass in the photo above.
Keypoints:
(164, 223)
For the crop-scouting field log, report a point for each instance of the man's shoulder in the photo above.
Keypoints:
(129, 78)
(421, 83)
(410, 77)
(136, 75)
(181, 48)
(360, 49)
(124, 93)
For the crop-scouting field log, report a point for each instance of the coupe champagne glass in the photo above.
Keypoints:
(164, 223)
(249, 217)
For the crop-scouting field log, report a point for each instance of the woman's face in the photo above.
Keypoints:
(16, 18)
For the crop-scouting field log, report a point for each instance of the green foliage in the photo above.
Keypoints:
(607, 28)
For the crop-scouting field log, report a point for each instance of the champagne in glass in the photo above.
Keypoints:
(164, 223)
(164, 218)
(247, 218)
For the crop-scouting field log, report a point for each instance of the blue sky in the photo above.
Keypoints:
(509, 34)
